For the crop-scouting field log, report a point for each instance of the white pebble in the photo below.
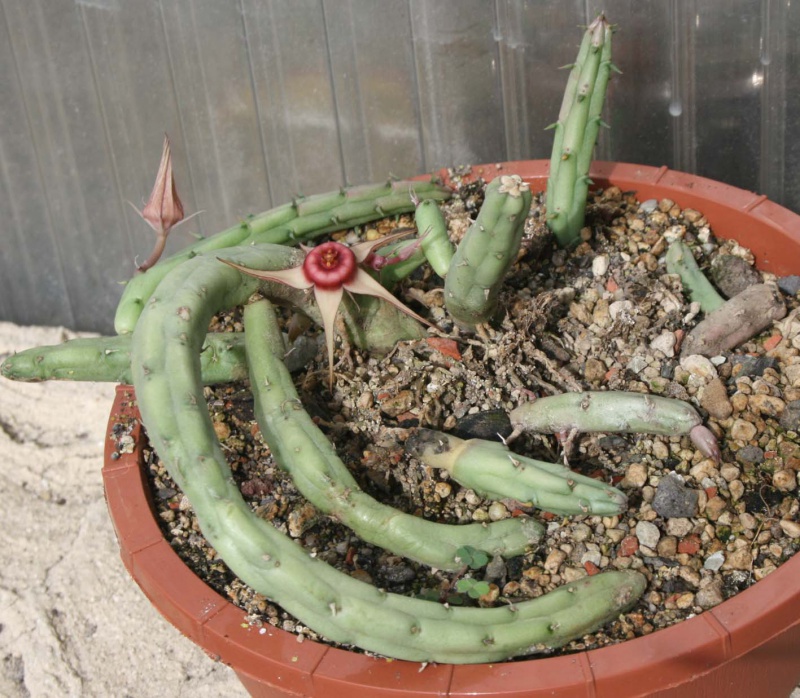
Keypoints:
(648, 534)
(699, 366)
(714, 561)
(665, 343)
(600, 265)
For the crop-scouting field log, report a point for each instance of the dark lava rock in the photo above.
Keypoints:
(762, 501)
(673, 500)
(790, 419)
(397, 573)
(752, 366)
(750, 454)
(790, 285)
(732, 275)
(489, 425)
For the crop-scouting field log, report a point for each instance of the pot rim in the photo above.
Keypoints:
(695, 647)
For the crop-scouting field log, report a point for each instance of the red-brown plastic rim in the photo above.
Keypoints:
(745, 647)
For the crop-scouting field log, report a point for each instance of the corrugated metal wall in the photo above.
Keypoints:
(264, 99)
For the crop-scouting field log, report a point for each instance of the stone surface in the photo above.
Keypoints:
(648, 534)
(732, 274)
(674, 500)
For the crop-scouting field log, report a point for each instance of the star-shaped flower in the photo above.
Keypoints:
(331, 269)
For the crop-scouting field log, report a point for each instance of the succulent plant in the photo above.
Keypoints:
(169, 355)
(164, 348)
(576, 132)
(489, 248)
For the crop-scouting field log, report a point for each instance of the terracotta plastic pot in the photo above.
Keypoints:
(744, 647)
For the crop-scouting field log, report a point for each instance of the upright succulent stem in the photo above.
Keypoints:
(576, 134)
(487, 251)
(432, 229)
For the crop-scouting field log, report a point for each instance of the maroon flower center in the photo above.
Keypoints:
(330, 265)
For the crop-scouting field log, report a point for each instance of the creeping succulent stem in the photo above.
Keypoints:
(489, 468)
(576, 133)
(487, 251)
(165, 354)
(300, 220)
(108, 359)
(620, 412)
(306, 454)
(681, 261)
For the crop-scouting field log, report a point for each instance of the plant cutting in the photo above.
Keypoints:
(168, 317)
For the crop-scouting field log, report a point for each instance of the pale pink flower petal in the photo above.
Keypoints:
(328, 303)
(294, 276)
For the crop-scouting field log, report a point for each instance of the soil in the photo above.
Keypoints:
(605, 316)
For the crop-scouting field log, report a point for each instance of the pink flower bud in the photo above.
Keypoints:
(164, 208)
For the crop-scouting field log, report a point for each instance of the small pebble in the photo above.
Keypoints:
(715, 400)
(554, 561)
(738, 560)
(767, 405)
(497, 511)
(496, 569)
(635, 476)
(600, 265)
(648, 534)
(742, 430)
(785, 480)
(667, 546)
(665, 343)
(710, 595)
(714, 507)
(690, 545)
(700, 366)
(581, 532)
(752, 366)
(674, 499)
(714, 561)
(791, 528)
(628, 546)
(729, 472)
(648, 206)
(679, 527)
(685, 600)
(790, 285)
(732, 274)
(749, 454)
(790, 417)
(443, 489)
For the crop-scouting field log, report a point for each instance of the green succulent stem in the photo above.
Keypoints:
(576, 134)
(166, 373)
(681, 261)
(435, 241)
(305, 453)
(492, 470)
(108, 360)
(487, 251)
(618, 412)
(302, 219)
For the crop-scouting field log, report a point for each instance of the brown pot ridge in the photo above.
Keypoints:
(745, 647)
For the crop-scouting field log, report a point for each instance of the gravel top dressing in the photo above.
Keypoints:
(605, 316)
